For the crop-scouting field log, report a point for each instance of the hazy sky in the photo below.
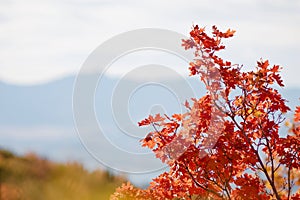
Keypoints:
(42, 40)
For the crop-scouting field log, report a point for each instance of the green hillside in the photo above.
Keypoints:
(30, 177)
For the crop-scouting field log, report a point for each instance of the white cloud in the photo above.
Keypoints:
(41, 40)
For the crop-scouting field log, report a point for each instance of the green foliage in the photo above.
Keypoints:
(31, 177)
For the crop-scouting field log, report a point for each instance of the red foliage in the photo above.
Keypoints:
(227, 145)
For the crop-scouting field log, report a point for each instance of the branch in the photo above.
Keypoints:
(258, 157)
(198, 184)
(289, 182)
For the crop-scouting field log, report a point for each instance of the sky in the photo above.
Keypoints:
(43, 40)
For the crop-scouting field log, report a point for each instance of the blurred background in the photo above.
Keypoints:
(44, 43)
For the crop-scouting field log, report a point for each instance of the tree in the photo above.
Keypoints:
(230, 136)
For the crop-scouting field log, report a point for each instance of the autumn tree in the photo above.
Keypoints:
(227, 144)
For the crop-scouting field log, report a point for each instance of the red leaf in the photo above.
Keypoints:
(178, 117)
(187, 105)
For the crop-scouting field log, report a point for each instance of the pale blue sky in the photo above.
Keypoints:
(41, 40)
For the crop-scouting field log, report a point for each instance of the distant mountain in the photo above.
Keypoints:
(46, 104)
(40, 118)
(292, 95)
(51, 103)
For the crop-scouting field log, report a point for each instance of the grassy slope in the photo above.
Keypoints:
(31, 177)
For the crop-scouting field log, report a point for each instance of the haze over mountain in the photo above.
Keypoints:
(39, 118)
